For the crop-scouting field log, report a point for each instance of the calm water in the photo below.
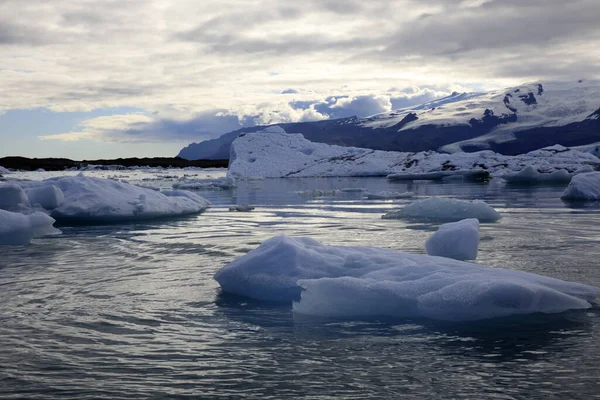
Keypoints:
(132, 312)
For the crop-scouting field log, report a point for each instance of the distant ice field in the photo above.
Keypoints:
(131, 311)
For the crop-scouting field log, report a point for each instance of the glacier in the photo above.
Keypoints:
(355, 281)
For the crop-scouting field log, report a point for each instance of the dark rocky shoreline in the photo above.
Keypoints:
(60, 164)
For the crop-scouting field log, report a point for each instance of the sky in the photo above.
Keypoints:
(89, 79)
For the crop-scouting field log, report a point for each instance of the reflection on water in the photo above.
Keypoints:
(131, 311)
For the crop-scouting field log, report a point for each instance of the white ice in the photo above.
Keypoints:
(584, 186)
(446, 209)
(95, 200)
(48, 197)
(350, 282)
(18, 229)
(457, 240)
(12, 196)
(530, 175)
(280, 155)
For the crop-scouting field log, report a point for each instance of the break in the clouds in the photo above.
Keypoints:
(201, 68)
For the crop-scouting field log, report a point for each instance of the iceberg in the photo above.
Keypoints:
(457, 240)
(12, 196)
(94, 200)
(355, 282)
(585, 186)
(280, 155)
(445, 209)
(529, 175)
(18, 229)
(48, 197)
(4, 171)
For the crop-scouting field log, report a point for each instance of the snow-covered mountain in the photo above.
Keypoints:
(510, 121)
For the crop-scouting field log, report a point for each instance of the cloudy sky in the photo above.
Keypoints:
(115, 78)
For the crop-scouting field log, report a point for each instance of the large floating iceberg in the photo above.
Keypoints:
(18, 229)
(446, 209)
(351, 282)
(275, 154)
(84, 199)
(583, 187)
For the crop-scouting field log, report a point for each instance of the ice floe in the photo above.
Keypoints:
(457, 240)
(584, 186)
(351, 282)
(18, 229)
(277, 155)
(85, 199)
(446, 209)
(529, 175)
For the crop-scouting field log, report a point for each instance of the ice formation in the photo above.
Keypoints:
(18, 229)
(446, 209)
(279, 155)
(457, 240)
(84, 199)
(584, 186)
(530, 175)
(12, 196)
(350, 282)
(3, 171)
(48, 196)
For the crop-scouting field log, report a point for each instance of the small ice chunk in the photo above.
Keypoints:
(11, 196)
(49, 196)
(17, 229)
(388, 195)
(445, 209)
(532, 175)
(584, 186)
(4, 171)
(457, 240)
(356, 281)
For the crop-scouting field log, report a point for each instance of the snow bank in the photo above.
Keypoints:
(17, 229)
(279, 155)
(48, 197)
(388, 195)
(584, 186)
(94, 200)
(350, 282)
(529, 175)
(457, 240)
(445, 209)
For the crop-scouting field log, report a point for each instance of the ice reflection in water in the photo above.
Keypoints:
(131, 311)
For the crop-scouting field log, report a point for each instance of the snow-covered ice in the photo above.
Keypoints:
(18, 229)
(446, 209)
(353, 281)
(584, 186)
(457, 240)
(280, 155)
(94, 200)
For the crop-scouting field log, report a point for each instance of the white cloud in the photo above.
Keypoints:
(184, 60)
